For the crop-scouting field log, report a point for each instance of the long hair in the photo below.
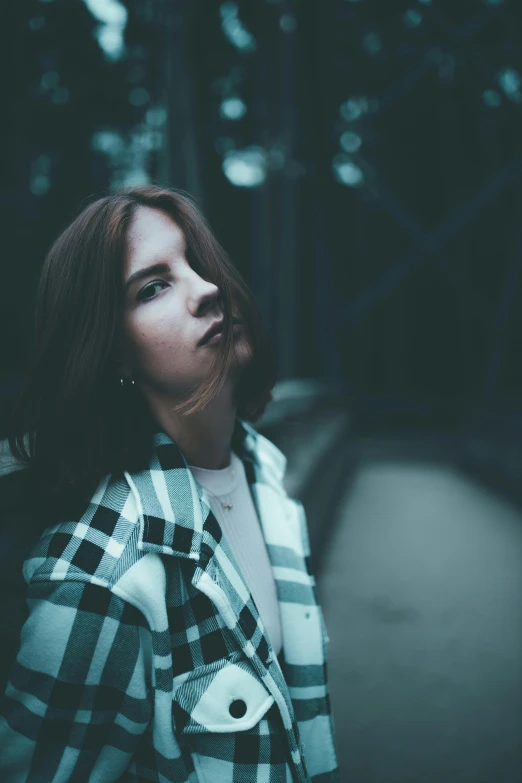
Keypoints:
(73, 422)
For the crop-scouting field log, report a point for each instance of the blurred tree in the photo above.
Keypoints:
(72, 127)
(361, 161)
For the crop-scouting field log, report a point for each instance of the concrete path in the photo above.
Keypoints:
(422, 595)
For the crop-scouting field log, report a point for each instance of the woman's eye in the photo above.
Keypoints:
(150, 288)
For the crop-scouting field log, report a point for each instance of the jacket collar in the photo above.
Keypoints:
(173, 508)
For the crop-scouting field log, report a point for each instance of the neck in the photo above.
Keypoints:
(204, 437)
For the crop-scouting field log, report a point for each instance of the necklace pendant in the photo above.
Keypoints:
(227, 505)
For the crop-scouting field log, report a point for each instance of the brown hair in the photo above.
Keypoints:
(73, 422)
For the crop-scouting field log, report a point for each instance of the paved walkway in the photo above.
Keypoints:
(422, 595)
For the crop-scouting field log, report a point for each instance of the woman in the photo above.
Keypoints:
(173, 631)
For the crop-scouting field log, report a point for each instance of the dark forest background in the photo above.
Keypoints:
(360, 160)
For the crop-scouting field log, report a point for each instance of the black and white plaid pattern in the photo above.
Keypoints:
(144, 657)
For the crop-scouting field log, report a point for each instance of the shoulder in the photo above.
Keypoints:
(270, 460)
(91, 543)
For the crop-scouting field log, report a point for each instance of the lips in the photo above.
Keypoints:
(215, 328)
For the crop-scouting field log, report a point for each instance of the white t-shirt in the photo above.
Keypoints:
(242, 531)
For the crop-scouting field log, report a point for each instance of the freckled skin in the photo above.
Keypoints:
(161, 332)
(160, 335)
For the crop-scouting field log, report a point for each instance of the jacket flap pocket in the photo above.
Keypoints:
(224, 698)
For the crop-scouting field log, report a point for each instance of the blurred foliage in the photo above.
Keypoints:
(360, 160)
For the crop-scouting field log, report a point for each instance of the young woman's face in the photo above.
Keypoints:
(167, 310)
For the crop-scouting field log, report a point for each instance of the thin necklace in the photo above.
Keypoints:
(225, 505)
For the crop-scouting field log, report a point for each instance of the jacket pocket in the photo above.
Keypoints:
(227, 718)
(225, 696)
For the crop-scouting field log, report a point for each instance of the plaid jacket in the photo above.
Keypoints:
(144, 657)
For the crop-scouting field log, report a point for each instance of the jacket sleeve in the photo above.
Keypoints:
(318, 732)
(78, 698)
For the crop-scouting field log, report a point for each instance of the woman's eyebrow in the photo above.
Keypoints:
(160, 268)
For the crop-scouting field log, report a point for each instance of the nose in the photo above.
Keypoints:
(206, 296)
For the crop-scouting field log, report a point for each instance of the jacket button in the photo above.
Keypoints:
(238, 708)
